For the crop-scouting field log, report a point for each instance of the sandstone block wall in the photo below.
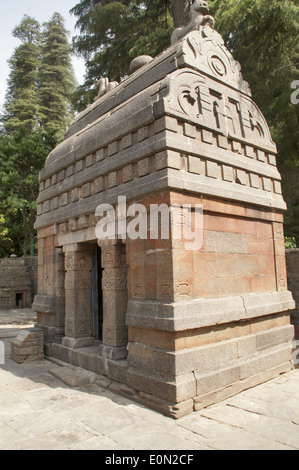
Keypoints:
(28, 346)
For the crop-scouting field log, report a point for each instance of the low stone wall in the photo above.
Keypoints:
(292, 260)
(28, 346)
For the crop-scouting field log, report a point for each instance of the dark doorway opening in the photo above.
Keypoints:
(97, 294)
(19, 300)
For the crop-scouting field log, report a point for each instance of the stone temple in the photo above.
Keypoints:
(177, 329)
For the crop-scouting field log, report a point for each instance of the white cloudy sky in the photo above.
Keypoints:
(11, 14)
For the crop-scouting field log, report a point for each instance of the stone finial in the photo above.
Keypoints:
(104, 86)
(198, 17)
(139, 62)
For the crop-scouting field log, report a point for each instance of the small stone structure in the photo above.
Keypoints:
(28, 346)
(292, 259)
(178, 328)
(18, 282)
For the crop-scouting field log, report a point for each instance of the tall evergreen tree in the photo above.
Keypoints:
(56, 82)
(37, 112)
(21, 99)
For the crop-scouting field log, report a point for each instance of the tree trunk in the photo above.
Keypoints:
(180, 12)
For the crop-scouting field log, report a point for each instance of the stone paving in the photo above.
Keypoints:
(38, 411)
(17, 317)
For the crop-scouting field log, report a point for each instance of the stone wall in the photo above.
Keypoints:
(18, 282)
(31, 267)
(28, 346)
(292, 259)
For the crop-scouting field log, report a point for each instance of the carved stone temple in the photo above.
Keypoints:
(176, 329)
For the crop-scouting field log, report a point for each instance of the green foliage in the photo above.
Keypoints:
(56, 81)
(28, 31)
(6, 243)
(37, 112)
(263, 35)
(41, 81)
(113, 33)
(22, 156)
(289, 243)
(21, 99)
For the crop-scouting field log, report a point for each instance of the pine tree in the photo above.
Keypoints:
(21, 99)
(37, 112)
(56, 82)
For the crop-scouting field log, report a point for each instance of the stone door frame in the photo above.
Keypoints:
(79, 324)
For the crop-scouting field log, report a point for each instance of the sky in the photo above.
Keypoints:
(11, 14)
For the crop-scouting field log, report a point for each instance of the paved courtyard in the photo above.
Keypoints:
(39, 411)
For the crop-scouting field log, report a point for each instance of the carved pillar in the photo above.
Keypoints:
(115, 299)
(49, 303)
(58, 285)
(78, 285)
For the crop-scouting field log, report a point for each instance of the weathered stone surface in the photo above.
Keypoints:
(76, 343)
(220, 242)
(221, 394)
(274, 337)
(175, 390)
(28, 346)
(206, 312)
(18, 282)
(72, 377)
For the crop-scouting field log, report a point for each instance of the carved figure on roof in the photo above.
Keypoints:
(199, 16)
(104, 86)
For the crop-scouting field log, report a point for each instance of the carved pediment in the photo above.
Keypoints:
(205, 51)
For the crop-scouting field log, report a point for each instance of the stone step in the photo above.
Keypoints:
(72, 376)
(77, 375)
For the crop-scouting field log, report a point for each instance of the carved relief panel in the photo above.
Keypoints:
(213, 105)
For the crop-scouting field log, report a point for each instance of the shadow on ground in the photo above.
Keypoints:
(48, 372)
